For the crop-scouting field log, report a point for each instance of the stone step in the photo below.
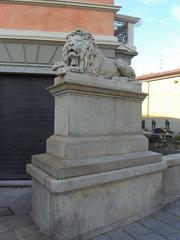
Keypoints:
(61, 169)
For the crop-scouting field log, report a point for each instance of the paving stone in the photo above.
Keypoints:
(175, 203)
(166, 216)
(102, 237)
(8, 236)
(157, 226)
(7, 218)
(6, 211)
(119, 235)
(29, 233)
(137, 229)
(153, 236)
(18, 222)
(176, 225)
(173, 209)
(175, 236)
(3, 229)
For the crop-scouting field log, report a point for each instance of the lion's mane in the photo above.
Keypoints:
(88, 49)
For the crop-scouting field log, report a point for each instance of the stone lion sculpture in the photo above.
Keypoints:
(81, 55)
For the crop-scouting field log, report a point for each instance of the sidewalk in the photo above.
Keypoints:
(162, 225)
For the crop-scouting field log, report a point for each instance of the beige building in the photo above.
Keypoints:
(162, 103)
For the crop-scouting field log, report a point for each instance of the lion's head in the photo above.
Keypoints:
(79, 50)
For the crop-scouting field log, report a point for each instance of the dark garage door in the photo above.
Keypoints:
(26, 121)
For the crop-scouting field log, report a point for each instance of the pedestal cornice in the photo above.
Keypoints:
(80, 83)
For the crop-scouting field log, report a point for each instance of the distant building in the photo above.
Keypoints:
(161, 106)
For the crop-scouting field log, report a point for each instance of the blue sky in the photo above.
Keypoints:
(157, 37)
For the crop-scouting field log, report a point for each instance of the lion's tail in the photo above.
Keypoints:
(124, 69)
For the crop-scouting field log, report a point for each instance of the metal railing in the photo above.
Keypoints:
(124, 29)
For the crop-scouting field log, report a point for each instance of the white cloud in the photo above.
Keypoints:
(176, 12)
(151, 1)
(168, 59)
(147, 2)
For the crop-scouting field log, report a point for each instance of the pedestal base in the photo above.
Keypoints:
(97, 173)
(85, 206)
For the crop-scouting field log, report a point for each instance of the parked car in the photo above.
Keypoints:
(163, 132)
(160, 130)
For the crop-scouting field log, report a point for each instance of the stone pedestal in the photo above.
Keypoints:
(97, 173)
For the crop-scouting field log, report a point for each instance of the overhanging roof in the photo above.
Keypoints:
(159, 75)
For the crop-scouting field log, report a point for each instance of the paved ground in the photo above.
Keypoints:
(162, 225)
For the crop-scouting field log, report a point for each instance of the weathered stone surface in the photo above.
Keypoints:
(60, 169)
(89, 147)
(96, 117)
(3, 228)
(85, 206)
(18, 222)
(8, 236)
(96, 107)
(12, 194)
(153, 236)
(97, 173)
(158, 226)
(167, 217)
(41, 203)
(136, 229)
(86, 181)
(171, 179)
(174, 236)
(102, 237)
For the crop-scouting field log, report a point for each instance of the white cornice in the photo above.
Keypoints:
(125, 18)
(65, 3)
(56, 37)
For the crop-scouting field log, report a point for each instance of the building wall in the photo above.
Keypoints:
(163, 98)
(162, 102)
(33, 32)
(57, 18)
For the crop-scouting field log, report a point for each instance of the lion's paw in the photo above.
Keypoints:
(57, 65)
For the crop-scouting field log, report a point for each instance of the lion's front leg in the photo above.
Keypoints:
(58, 65)
(75, 69)
(60, 68)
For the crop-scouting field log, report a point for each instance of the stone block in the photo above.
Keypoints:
(119, 235)
(82, 207)
(18, 222)
(166, 216)
(8, 236)
(97, 173)
(3, 228)
(136, 229)
(153, 236)
(91, 106)
(87, 147)
(61, 169)
(171, 179)
(158, 226)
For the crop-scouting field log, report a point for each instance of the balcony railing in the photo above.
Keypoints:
(121, 31)
(124, 29)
